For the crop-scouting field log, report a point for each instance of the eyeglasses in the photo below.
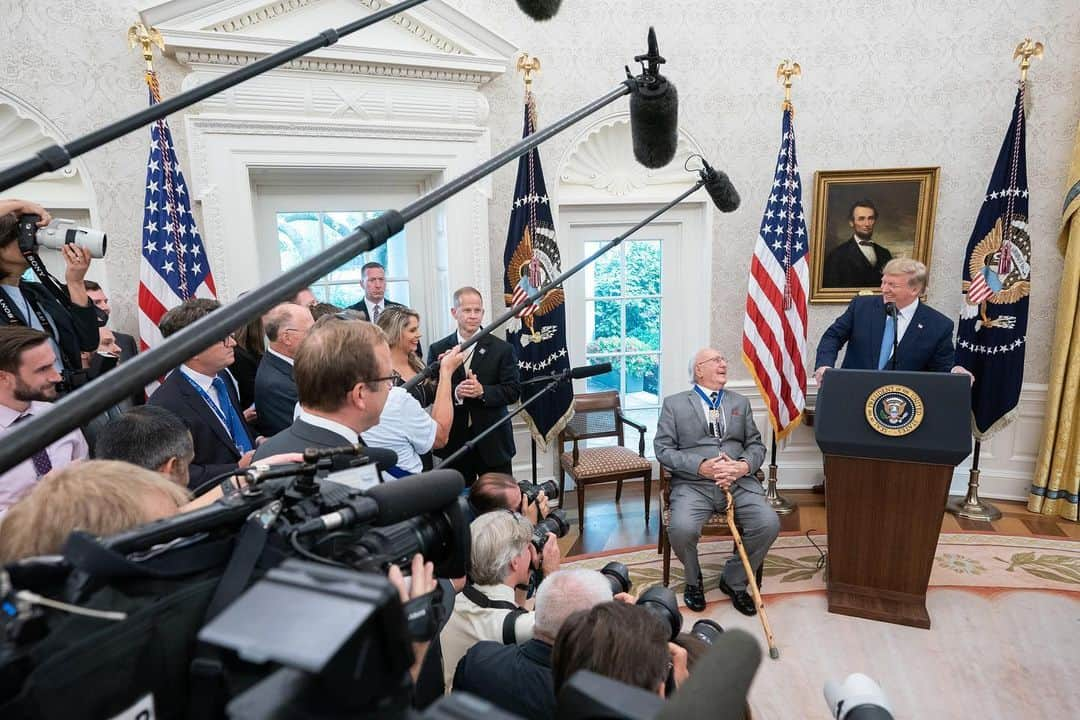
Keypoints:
(393, 379)
(717, 359)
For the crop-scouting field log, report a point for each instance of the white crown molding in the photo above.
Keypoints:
(209, 34)
(233, 125)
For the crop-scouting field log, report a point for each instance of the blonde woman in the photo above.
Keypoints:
(402, 328)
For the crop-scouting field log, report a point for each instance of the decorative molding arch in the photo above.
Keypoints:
(23, 132)
(599, 166)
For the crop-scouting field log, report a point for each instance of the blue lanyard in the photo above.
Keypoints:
(213, 405)
(718, 428)
(709, 402)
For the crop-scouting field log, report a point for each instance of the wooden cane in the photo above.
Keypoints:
(751, 580)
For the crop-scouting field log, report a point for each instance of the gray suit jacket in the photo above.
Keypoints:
(298, 437)
(682, 438)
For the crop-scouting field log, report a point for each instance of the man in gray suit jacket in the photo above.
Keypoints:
(707, 437)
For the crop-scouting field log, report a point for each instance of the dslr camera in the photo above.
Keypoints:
(58, 233)
(531, 491)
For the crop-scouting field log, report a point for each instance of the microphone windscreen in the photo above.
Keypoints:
(384, 459)
(587, 371)
(720, 681)
(540, 9)
(723, 193)
(415, 495)
(654, 122)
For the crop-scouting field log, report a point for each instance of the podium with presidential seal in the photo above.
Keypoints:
(891, 441)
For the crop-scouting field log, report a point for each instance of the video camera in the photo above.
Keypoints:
(58, 233)
(174, 576)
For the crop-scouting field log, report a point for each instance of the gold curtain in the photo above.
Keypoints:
(1055, 489)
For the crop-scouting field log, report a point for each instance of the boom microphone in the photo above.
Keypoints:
(393, 502)
(718, 185)
(540, 9)
(654, 111)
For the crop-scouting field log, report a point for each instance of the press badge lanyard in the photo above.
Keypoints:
(213, 406)
(715, 414)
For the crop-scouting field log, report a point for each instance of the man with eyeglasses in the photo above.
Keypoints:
(285, 326)
(204, 396)
(343, 378)
(707, 437)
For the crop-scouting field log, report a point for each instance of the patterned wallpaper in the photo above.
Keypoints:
(886, 83)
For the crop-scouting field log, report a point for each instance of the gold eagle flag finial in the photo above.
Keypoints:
(528, 64)
(1024, 52)
(785, 71)
(139, 34)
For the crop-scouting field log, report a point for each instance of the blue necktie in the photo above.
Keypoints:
(234, 423)
(886, 342)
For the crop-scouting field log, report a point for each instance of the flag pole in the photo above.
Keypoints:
(780, 504)
(971, 507)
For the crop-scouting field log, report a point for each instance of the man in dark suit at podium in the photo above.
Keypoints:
(923, 335)
(484, 385)
(373, 280)
(859, 261)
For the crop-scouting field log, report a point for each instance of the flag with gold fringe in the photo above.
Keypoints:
(531, 259)
(996, 279)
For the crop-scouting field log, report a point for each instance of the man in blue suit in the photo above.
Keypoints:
(923, 335)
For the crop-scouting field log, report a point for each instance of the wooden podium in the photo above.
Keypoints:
(891, 441)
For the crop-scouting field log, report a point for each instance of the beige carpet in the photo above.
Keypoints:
(1005, 640)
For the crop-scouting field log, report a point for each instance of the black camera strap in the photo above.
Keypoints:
(12, 318)
(51, 284)
(509, 632)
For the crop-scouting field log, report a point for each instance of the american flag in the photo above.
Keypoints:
(174, 265)
(774, 330)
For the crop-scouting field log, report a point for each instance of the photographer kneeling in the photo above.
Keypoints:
(491, 607)
(64, 313)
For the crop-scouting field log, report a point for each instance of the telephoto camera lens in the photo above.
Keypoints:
(661, 601)
(619, 577)
(555, 522)
(531, 491)
(707, 631)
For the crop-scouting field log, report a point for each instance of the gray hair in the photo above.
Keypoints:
(565, 592)
(277, 318)
(497, 538)
(914, 269)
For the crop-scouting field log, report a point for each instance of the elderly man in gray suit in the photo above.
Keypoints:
(707, 437)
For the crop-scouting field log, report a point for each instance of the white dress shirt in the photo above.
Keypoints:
(867, 250)
(903, 319)
(347, 433)
(286, 358)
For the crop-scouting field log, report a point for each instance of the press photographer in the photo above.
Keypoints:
(64, 313)
(493, 605)
(500, 491)
(517, 678)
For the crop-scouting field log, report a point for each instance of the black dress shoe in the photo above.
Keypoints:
(740, 599)
(694, 597)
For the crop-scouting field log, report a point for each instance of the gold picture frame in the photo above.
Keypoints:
(904, 201)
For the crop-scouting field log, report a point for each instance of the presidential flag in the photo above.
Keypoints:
(774, 329)
(532, 259)
(996, 281)
(174, 265)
